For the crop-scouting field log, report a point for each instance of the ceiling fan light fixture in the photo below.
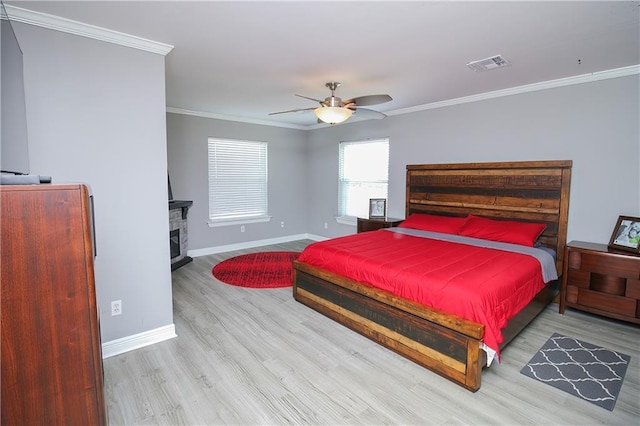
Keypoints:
(333, 110)
(333, 114)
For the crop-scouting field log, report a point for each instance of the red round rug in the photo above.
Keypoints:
(269, 269)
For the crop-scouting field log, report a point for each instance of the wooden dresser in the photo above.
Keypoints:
(601, 282)
(51, 351)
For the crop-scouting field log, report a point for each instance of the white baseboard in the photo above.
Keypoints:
(136, 341)
(252, 244)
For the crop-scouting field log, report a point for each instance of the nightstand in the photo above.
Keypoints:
(365, 225)
(601, 282)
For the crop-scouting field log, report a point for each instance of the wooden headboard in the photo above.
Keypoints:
(528, 191)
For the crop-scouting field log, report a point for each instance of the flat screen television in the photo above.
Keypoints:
(14, 149)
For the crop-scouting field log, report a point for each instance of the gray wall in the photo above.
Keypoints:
(287, 173)
(14, 155)
(594, 124)
(96, 115)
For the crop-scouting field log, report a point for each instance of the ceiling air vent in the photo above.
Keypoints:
(493, 62)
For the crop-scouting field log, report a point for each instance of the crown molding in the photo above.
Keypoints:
(551, 84)
(233, 118)
(57, 23)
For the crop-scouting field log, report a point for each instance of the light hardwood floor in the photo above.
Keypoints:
(249, 357)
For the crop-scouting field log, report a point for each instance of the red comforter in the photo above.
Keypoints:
(484, 285)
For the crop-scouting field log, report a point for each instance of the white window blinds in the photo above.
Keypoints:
(364, 174)
(237, 179)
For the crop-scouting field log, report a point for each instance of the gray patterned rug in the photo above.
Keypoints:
(587, 371)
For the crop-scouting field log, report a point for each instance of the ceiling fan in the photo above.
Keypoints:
(334, 110)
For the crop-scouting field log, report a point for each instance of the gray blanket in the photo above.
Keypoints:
(546, 259)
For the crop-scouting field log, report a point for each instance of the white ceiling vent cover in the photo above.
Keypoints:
(493, 62)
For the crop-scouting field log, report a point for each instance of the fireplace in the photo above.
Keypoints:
(174, 241)
(178, 233)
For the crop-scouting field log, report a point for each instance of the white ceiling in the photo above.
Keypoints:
(247, 59)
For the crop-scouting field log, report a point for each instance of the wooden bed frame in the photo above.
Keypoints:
(536, 191)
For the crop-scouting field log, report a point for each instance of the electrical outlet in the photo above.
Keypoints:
(116, 307)
(282, 224)
(325, 225)
(241, 228)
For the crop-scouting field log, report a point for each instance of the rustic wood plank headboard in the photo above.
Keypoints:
(528, 191)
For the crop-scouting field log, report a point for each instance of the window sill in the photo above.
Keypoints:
(240, 221)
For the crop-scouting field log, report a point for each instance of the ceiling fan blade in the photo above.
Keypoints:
(292, 110)
(368, 113)
(311, 99)
(368, 100)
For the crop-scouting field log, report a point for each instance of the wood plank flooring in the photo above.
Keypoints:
(257, 357)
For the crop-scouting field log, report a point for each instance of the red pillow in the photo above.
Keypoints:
(506, 231)
(434, 223)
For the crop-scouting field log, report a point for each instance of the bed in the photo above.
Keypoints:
(446, 343)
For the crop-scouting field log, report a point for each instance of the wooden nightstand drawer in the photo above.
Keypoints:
(607, 303)
(604, 264)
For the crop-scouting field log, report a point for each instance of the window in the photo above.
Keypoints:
(237, 181)
(364, 174)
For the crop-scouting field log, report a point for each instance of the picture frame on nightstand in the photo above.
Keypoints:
(626, 235)
(377, 208)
